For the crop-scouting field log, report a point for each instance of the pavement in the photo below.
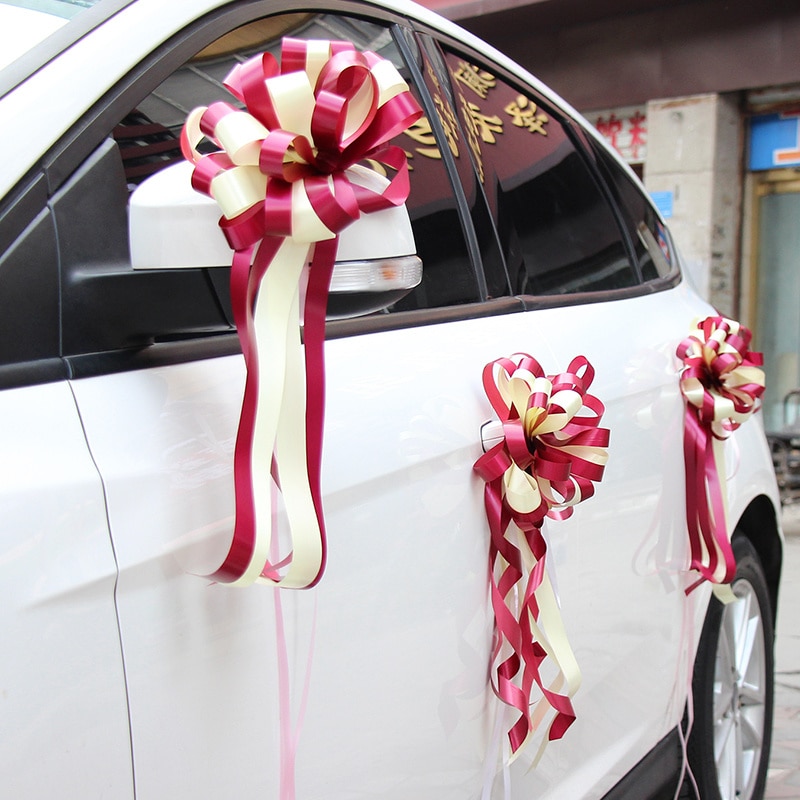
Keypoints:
(783, 779)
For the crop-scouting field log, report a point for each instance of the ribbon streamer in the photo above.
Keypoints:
(286, 177)
(552, 453)
(721, 383)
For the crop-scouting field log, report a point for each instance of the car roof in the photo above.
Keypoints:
(22, 28)
(33, 32)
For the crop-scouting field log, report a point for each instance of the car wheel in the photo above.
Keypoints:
(733, 688)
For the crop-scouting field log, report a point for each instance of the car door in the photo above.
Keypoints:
(395, 638)
(63, 705)
(594, 264)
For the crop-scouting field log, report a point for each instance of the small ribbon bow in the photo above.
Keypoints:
(552, 453)
(721, 383)
(288, 179)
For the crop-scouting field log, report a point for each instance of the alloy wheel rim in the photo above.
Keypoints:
(739, 694)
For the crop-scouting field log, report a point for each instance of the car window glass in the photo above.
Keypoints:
(149, 140)
(492, 276)
(648, 233)
(558, 233)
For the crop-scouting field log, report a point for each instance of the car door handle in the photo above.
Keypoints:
(491, 434)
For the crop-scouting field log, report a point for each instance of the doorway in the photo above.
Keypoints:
(777, 272)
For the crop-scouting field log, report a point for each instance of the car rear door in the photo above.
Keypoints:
(595, 267)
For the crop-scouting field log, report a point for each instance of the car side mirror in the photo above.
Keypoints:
(172, 226)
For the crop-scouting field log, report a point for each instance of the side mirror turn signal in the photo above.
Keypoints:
(174, 227)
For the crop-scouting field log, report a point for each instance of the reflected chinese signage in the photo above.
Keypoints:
(625, 129)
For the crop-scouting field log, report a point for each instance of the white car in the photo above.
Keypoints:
(126, 671)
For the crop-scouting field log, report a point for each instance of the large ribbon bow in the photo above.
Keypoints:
(552, 452)
(287, 179)
(721, 383)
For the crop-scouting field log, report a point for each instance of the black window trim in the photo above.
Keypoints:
(448, 161)
(571, 123)
(162, 354)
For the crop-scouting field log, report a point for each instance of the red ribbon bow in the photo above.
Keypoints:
(552, 453)
(721, 383)
(286, 179)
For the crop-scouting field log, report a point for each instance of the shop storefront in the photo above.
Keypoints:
(774, 181)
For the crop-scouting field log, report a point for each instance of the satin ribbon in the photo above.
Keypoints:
(721, 383)
(552, 453)
(287, 180)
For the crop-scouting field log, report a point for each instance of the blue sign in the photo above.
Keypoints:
(663, 201)
(775, 141)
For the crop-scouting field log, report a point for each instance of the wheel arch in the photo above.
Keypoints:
(759, 524)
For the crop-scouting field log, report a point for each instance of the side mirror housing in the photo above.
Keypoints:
(173, 227)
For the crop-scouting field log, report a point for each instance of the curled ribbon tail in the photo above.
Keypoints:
(552, 451)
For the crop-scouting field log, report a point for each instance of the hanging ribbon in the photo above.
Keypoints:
(721, 383)
(287, 179)
(552, 453)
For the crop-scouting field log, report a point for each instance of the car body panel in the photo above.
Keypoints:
(403, 630)
(21, 29)
(63, 705)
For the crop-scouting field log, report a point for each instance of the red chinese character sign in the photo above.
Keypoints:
(552, 453)
(284, 177)
(625, 129)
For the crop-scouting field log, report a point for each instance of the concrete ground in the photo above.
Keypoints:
(784, 772)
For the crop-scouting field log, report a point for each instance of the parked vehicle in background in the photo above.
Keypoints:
(124, 672)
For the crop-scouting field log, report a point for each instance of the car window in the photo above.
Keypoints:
(148, 139)
(83, 293)
(647, 232)
(558, 233)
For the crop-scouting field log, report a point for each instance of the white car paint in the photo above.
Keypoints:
(61, 674)
(21, 29)
(403, 628)
(398, 704)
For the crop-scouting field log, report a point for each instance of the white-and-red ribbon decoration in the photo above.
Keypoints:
(286, 180)
(721, 382)
(553, 452)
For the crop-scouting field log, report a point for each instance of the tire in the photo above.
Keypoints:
(733, 688)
